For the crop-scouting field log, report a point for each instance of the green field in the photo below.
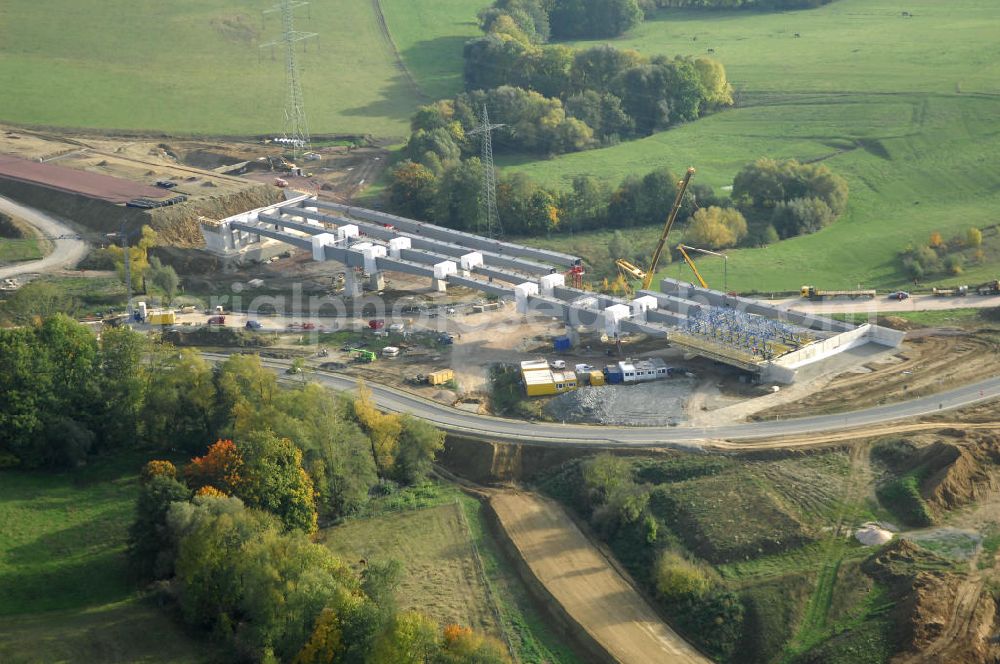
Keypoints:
(190, 67)
(64, 589)
(16, 250)
(430, 35)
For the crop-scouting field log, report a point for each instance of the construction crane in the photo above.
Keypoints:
(687, 259)
(646, 276)
(684, 249)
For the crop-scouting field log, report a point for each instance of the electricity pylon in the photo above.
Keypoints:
(296, 129)
(488, 215)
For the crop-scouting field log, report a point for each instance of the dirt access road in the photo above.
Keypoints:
(585, 584)
(883, 305)
(67, 252)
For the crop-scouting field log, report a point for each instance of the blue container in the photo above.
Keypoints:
(613, 375)
(561, 343)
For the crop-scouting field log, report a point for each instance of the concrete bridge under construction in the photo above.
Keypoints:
(748, 334)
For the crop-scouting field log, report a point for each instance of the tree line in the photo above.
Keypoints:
(767, 5)
(65, 396)
(542, 20)
(258, 583)
(770, 200)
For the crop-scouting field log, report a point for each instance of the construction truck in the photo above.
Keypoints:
(958, 291)
(989, 288)
(363, 356)
(813, 293)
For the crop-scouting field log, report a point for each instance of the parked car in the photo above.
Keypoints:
(254, 325)
(217, 320)
(558, 364)
(308, 326)
(899, 295)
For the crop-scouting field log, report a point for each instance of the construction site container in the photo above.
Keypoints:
(613, 375)
(544, 383)
(596, 378)
(161, 319)
(561, 343)
(440, 377)
(390, 351)
(534, 365)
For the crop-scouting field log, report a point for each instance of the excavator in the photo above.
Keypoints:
(630, 270)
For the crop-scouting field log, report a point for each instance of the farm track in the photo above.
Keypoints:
(835, 546)
(397, 57)
(586, 585)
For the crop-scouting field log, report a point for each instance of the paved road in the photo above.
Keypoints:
(546, 433)
(588, 588)
(66, 253)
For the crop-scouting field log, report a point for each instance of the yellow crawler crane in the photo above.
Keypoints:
(646, 276)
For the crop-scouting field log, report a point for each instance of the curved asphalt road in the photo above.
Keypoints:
(67, 252)
(546, 433)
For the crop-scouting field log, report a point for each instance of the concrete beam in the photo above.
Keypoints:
(450, 235)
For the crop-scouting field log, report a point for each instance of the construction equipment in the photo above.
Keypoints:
(440, 377)
(646, 276)
(362, 355)
(958, 291)
(575, 274)
(813, 293)
(687, 259)
(989, 288)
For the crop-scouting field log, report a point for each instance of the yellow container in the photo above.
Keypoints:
(440, 377)
(597, 378)
(161, 319)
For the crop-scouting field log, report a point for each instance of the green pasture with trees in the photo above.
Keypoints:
(226, 537)
(902, 107)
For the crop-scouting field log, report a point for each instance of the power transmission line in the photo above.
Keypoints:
(488, 215)
(296, 128)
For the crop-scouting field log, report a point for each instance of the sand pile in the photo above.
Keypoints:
(870, 534)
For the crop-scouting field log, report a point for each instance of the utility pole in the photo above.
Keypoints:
(296, 129)
(128, 274)
(488, 215)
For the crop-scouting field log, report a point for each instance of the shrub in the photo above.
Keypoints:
(902, 497)
(677, 578)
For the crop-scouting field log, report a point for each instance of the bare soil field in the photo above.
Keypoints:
(586, 585)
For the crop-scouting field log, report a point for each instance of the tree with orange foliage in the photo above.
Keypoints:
(936, 240)
(209, 490)
(461, 645)
(221, 468)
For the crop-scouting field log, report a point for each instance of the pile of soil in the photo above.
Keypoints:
(958, 474)
(934, 607)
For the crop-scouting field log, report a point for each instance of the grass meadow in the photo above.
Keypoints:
(454, 570)
(907, 108)
(188, 67)
(64, 589)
